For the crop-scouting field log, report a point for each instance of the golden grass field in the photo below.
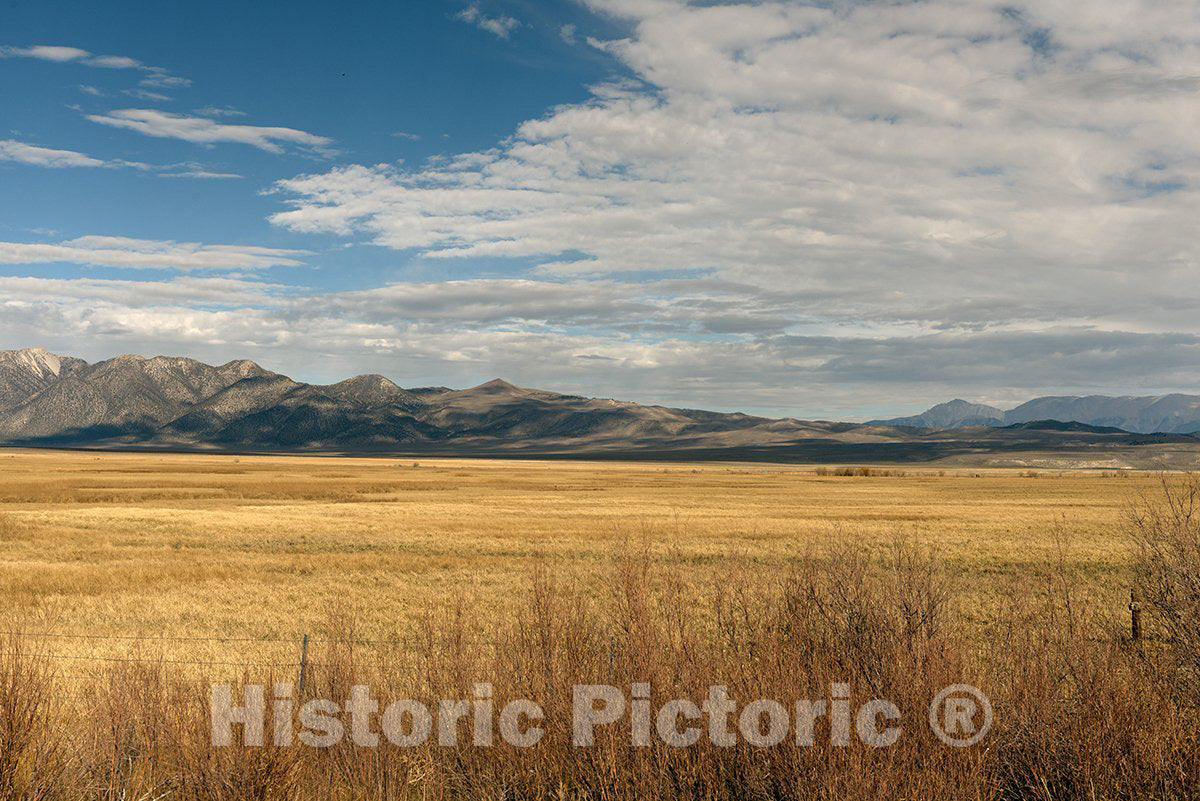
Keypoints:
(172, 545)
(133, 582)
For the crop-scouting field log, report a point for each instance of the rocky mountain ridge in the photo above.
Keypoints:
(178, 401)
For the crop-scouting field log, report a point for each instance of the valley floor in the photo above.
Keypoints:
(270, 548)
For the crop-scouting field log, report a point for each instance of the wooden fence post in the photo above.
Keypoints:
(303, 666)
(1135, 615)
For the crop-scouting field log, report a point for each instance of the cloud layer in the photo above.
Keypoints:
(116, 251)
(561, 336)
(865, 174)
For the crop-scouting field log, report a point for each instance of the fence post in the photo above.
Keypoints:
(303, 666)
(1135, 614)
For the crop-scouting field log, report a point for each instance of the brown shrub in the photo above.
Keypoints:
(1166, 532)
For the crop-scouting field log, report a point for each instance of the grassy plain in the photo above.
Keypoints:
(132, 582)
(166, 545)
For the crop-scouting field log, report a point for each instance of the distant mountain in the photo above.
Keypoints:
(183, 404)
(130, 400)
(1171, 414)
(955, 414)
(47, 395)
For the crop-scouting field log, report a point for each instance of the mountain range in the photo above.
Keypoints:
(47, 400)
(51, 399)
(1171, 414)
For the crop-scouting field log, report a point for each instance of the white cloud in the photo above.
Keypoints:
(45, 53)
(125, 252)
(161, 79)
(501, 26)
(204, 174)
(179, 292)
(11, 150)
(20, 152)
(113, 62)
(206, 132)
(154, 77)
(44, 156)
(65, 55)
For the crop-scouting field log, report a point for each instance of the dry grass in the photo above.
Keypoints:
(774, 581)
(261, 546)
(1080, 713)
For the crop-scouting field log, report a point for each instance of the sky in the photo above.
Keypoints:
(840, 209)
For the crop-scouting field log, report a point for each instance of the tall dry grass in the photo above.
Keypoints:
(1080, 711)
(1166, 530)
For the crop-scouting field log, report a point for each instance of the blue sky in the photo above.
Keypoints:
(839, 210)
(391, 82)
